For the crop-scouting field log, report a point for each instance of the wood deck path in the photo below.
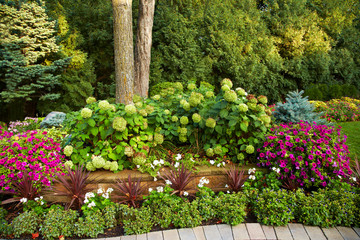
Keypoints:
(249, 231)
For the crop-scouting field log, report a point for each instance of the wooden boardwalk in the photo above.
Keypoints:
(249, 231)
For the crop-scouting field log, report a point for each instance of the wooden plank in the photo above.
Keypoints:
(332, 233)
(141, 236)
(348, 233)
(199, 233)
(269, 232)
(357, 230)
(225, 232)
(315, 232)
(155, 236)
(298, 231)
(186, 234)
(129, 237)
(172, 234)
(211, 232)
(240, 232)
(283, 233)
(255, 231)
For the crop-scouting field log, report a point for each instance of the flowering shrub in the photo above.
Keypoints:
(309, 154)
(31, 151)
(339, 110)
(97, 201)
(23, 126)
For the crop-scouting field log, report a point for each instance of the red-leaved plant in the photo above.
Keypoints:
(179, 179)
(128, 191)
(235, 178)
(73, 186)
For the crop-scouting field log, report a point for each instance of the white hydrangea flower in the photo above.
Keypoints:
(160, 189)
(186, 193)
(212, 162)
(23, 200)
(150, 189)
(168, 182)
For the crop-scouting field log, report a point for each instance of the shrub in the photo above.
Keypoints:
(26, 223)
(274, 207)
(31, 151)
(309, 154)
(296, 109)
(23, 126)
(97, 201)
(53, 119)
(326, 92)
(231, 208)
(58, 222)
(205, 198)
(136, 220)
(90, 225)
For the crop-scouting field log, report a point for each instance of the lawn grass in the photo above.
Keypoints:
(352, 131)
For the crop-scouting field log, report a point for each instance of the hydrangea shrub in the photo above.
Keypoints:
(31, 151)
(309, 154)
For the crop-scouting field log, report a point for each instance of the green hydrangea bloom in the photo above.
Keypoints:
(183, 131)
(159, 138)
(191, 86)
(240, 156)
(195, 99)
(98, 161)
(69, 164)
(196, 118)
(150, 137)
(114, 166)
(184, 120)
(230, 96)
(86, 113)
(130, 109)
(251, 98)
(104, 105)
(182, 138)
(113, 107)
(240, 91)
(263, 99)
(156, 97)
(210, 152)
(170, 91)
(137, 98)
(90, 167)
(119, 124)
(227, 82)
(187, 106)
(158, 129)
(209, 94)
(210, 122)
(250, 149)
(252, 106)
(68, 150)
(178, 86)
(139, 160)
(218, 150)
(143, 112)
(243, 107)
(260, 108)
(174, 118)
(265, 118)
(129, 151)
(167, 111)
(225, 88)
(139, 104)
(90, 100)
(149, 109)
(107, 165)
(182, 102)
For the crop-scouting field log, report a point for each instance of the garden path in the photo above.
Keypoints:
(249, 231)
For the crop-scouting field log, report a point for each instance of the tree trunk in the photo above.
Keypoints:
(123, 51)
(143, 46)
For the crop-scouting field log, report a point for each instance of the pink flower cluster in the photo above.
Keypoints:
(309, 154)
(31, 151)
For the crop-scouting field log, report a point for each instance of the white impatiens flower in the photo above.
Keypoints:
(138, 166)
(186, 193)
(354, 179)
(89, 195)
(37, 199)
(110, 190)
(86, 200)
(218, 165)
(152, 166)
(252, 177)
(150, 189)
(251, 170)
(178, 157)
(23, 200)
(156, 162)
(92, 204)
(105, 195)
(226, 186)
(160, 189)
(177, 164)
(162, 162)
(203, 181)
(155, 179)
(168, 182)
(212, 162)
(100, 191)
(223, 163)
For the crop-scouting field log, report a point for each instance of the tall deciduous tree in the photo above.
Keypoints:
(143, 46)
(123, 50)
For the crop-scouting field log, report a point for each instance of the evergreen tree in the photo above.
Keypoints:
(26, 40)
